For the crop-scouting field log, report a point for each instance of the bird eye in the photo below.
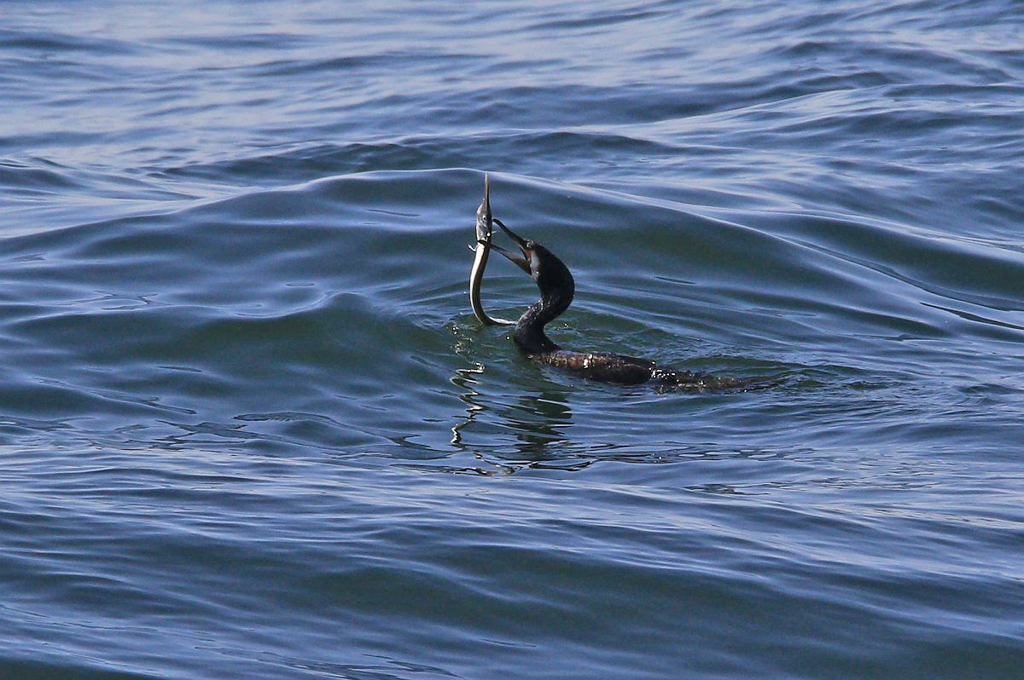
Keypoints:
(530, 244)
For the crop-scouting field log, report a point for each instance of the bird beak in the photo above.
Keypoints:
(520, 261)
(519, 240)
(523, 262)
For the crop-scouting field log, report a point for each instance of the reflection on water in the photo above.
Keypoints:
(539, 423)
(464, 379)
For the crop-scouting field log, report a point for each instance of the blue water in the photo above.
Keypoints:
(249, 427)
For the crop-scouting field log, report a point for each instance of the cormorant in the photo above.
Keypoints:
(556, 293)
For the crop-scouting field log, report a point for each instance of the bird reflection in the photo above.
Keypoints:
(537, 421)
(465, 379)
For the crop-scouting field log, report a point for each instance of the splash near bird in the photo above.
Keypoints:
(557, 289)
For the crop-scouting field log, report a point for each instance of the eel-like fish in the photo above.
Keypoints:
(482, 248)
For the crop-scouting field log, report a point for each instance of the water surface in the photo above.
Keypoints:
(249, 427)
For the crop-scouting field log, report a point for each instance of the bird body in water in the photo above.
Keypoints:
(557, 289)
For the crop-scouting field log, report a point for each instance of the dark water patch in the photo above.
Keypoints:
(347, 64)
(20, 176)
(33, 669)
(596, 20)
(272, 41)
(47, 43)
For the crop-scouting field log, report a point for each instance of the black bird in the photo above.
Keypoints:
(556, 293)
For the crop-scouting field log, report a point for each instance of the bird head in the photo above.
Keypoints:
(548, 272)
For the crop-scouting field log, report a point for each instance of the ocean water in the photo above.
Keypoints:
(249, 427)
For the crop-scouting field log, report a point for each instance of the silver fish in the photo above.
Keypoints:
(484, 229)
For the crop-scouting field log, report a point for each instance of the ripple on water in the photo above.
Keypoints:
(250, 428)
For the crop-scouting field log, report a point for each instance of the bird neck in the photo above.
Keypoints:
(529, 335)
